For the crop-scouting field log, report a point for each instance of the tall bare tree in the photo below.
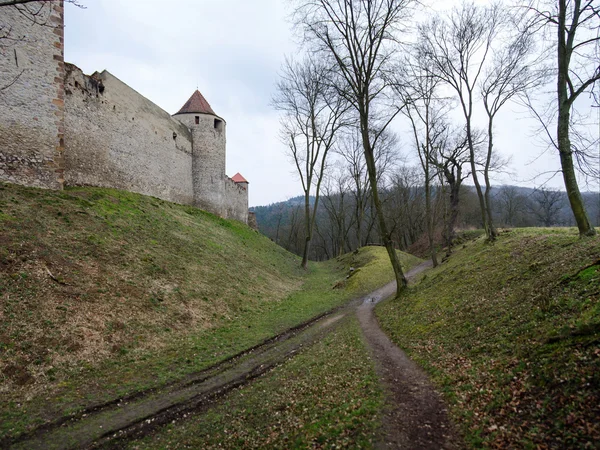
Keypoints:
(577, 49)
(457, 49)
(512, 71)
(360, 38)
(336, 189)
(512, 205)
(312, 115)
(426, 112)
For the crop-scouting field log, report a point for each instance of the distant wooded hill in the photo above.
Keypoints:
(342, 225)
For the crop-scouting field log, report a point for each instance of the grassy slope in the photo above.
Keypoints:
(511, 333)
(104, 293)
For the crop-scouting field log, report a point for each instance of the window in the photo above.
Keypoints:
(218, 125)
(197, 120)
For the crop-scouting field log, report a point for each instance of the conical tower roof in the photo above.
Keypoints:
(196, 104)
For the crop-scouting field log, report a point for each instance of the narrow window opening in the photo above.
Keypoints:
(197, 120)
(218, 125)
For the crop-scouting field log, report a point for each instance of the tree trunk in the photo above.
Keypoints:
(575, 198)
(454, 184)
(488, 187)
(564, 141)
(308, 224)
(385, 236)
(429, 217)
(480, 195)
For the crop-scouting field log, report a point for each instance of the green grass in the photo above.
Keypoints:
(105, 293)
(372, 268)
(327, 396)
(511, 334)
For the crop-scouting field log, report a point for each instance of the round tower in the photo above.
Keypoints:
(208, 152)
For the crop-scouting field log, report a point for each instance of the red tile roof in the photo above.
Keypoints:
(196, 104)
(238, 178)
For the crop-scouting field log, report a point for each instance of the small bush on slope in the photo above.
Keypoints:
(511, 334)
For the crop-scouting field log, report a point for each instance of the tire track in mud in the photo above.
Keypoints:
(135, 415)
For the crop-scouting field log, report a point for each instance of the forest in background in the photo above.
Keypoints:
(345, 222)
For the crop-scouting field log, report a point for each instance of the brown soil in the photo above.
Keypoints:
(415, 415)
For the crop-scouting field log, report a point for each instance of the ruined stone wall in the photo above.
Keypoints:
(32, 95)
(236, 200)
(117, 138)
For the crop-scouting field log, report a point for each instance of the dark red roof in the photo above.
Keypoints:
(238, 178)
(196, 104)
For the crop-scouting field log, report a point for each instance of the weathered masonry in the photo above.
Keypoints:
(60, 127)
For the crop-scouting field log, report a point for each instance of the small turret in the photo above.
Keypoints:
(239, 179)
(208, 152)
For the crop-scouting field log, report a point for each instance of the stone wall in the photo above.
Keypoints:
(117, 138)
(236, 200)
(208, 164)
(31, 95)
(60, 127)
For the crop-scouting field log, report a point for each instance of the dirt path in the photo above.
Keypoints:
(415, 416)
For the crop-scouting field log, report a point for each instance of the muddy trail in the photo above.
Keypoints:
(414, 416)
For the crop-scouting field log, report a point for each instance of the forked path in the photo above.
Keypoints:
(415, 416)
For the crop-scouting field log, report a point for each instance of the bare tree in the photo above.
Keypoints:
(426, 113)
(457, 49)
(577, 46)
(513, 205)
(452, 156)
(350, 149)
(510, 73)
(405, 202)
(336, 189)
(360, 39)
(312, 115)
(546, 206)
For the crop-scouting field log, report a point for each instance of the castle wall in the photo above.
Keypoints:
(31, 95)
(117, 138)
(236, 200)
(60, 127)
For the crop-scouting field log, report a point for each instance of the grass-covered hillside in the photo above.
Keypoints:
(511, 334)
(104, 293)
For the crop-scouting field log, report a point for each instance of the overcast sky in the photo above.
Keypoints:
(232, 51)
